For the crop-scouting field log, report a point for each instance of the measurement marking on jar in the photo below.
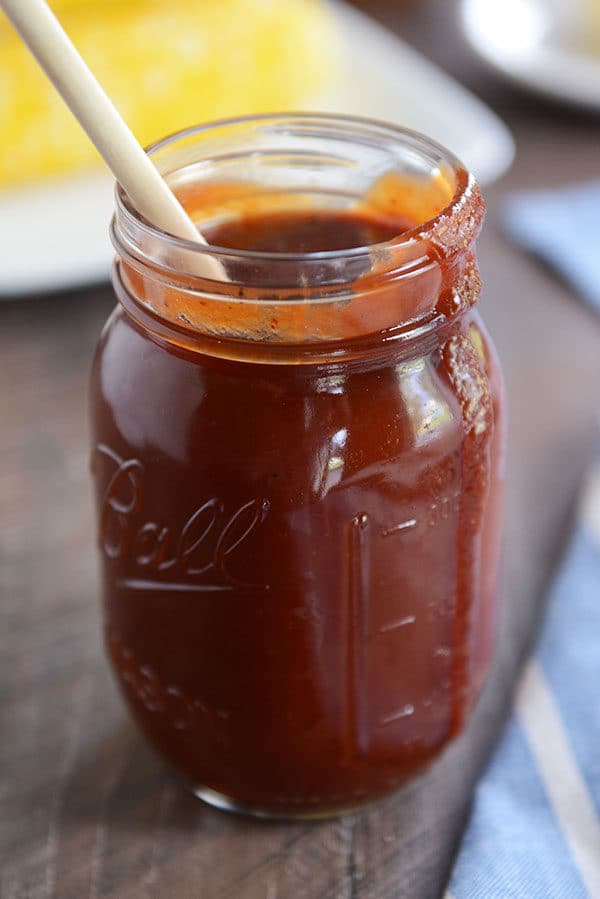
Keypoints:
(170, 586)
(397, 528)
(395, 625)
(405, 712)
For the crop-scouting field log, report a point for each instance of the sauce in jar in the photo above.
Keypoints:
(298, 475)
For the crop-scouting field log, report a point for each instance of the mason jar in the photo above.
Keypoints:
(298, 464)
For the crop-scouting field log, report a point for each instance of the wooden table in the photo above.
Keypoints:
(87, 810)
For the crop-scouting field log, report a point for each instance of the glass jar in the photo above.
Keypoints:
(298, 469)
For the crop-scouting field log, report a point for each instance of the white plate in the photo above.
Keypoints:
(539, 44)
(55, 236)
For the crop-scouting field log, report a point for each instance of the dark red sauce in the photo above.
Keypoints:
(299, 561)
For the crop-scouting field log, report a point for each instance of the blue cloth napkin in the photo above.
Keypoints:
(534, 831)
(562, 226)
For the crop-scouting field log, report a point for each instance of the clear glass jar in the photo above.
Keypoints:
(298, 470)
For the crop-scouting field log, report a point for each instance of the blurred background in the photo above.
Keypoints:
(514, 89)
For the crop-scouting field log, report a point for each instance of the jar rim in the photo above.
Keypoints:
(329, 298)
(464, 183)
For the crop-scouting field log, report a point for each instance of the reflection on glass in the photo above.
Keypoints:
(427, 410)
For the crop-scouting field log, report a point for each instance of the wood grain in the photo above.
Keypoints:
(87, 809)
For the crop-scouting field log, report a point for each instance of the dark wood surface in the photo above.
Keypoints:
(86, 809)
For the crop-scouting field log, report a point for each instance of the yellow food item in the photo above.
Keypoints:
(591, 26)
(166, 65)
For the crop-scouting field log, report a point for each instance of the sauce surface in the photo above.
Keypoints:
(307, 231)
